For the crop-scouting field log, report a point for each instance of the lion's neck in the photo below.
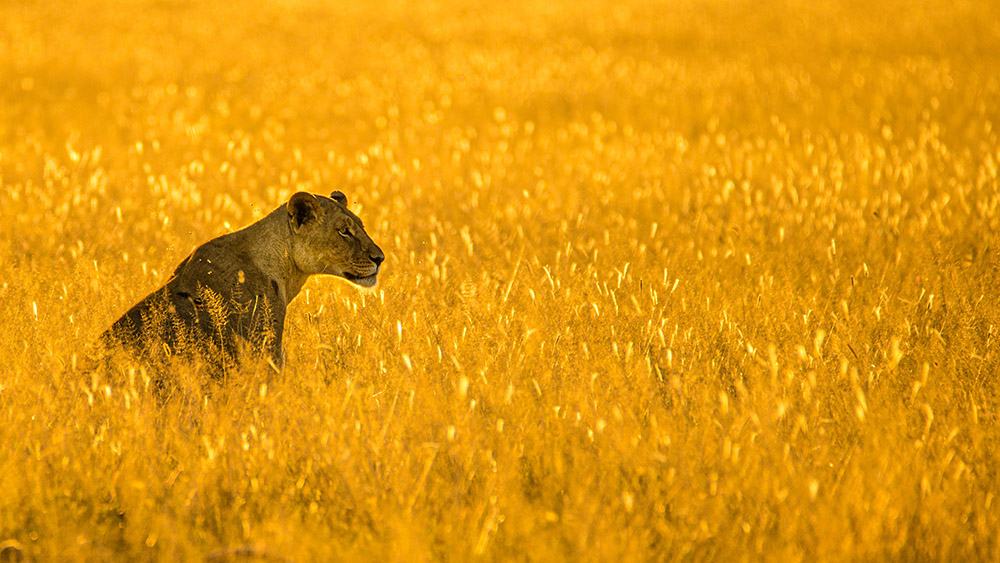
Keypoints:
(268, 242)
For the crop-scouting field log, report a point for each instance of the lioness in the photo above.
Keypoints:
(230, 295)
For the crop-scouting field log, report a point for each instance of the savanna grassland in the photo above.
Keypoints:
(665, 280)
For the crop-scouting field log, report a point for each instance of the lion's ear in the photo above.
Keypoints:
(339, 197)
(303, 208)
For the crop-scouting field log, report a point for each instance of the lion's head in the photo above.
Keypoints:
(328, 239)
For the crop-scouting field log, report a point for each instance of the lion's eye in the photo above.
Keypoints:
(345, 233)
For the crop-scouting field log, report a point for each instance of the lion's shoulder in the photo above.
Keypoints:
(224, 266)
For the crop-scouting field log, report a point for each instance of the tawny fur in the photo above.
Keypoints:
(231, 294)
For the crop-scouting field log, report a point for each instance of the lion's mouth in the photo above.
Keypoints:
(363, 281)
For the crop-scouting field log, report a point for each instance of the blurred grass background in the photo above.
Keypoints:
(679, 280)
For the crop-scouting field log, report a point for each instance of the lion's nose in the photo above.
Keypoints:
(377, 257)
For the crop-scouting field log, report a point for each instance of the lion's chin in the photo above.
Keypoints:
(363, 281)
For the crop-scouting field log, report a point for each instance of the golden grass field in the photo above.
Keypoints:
(686, 280)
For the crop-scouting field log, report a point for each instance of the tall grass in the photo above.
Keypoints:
(703, 280)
